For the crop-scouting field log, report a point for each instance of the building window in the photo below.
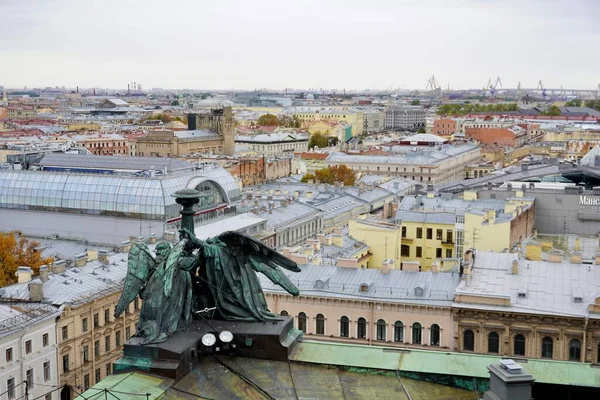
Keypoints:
(9, 354)
(320, 324)
(575, 350)
(108, 369)
(29, 378)
(398, 331)
(434, 335)
(96, 349)
(429, 233)
(106, 316)
(493, 343)
(84, 326)
(86, 381)
(403, 231)
(547, 347)
(46, 371)
(468, 340)
(416, 333)
(65, 333)
(136, 304)
(65, 363)
(419, 233)
(284, 313)
(107, 343)
(127, 333)
(419, 251)
(381, 330)
(405, 250)
(438, 253)
(28, 348)
(344, 327)
(10, 388)
(439, 233)
(118, 339)
(449, 236)
(361, 328)
(45, 340)
(96, 320)
(97, 377)
(86, 354)
(448, 253)
(519, 345)
(302, 322)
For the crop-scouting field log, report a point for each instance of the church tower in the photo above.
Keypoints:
(228, 132)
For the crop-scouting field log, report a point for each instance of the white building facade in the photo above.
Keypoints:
(28, 351)
(405, 117)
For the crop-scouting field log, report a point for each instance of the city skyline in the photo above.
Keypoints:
(350, 45)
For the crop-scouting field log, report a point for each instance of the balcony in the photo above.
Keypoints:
(448, 242)
(407, 240)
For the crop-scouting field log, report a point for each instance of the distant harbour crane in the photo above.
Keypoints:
(494, 86)
(542, 89)
(434, 86)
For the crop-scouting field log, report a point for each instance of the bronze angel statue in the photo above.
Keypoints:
(194, 275)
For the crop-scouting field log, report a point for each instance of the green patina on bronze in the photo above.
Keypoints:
(195, 275)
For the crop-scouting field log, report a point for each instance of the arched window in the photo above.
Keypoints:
(361, 328)
(320, 324)
(344, 327)
(416, 333)
(302, 322)
(398, 331)
(547, 347)
(493, 343)
(468, 340)
(381, 328)
(434, 335)
(284, 313)
(575, 350)
(519, 345)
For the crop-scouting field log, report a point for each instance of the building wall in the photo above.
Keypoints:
(333, 310)
(404, 117)
(533, 327)
(113, 332)
(278, 168)
(22, 362)
(444, 127)
(277, 149)
(354, 118)
(383, 241)
(499, 136)
(374, 122)
(429, 247)
(105, 146)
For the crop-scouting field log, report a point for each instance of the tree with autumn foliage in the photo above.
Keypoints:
(267, 120)
(337, 173)
(16, 252)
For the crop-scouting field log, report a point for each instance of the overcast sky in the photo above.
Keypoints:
(248, 44)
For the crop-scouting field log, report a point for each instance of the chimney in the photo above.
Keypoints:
(309, 250)
(435, 267)
(515, 266)
(36, 290)
(577, 246)
(103, 257)
(597, 261)
(125, 246)
(328, 240)
(508, 381)
(170, 235)
(44, 270)
(24, 274)
(554, 256)
(386, 265)
(140, 239)
(80, 260)
(309, 194)
(152, 238)
(58, 267)
(576, 257)
(321, 238)
(284, 203)
(133, 239)
(411, 265)
(338, 240)
(92, 254)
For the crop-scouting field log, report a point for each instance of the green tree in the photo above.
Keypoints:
(552, 111)
(415, 102)
(333, 141)
(573, 103)
(289, 122)
(268, 120)
(175, 103)
(15, 253)
(421, 130)
(318, 139)
(307, 177)
(336, 173)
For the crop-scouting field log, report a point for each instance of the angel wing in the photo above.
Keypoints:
(261, 258)
(171, 265)
(140, 265)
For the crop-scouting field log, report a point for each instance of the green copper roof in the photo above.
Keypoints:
(134, 383)
(439, 362)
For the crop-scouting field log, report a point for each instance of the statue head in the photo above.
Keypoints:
(162, 250)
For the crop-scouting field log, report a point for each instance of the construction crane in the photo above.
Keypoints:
(434, 86)
(494, 86)
(541, 87)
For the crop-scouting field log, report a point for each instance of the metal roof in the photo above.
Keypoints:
(549, 286)
(113, 162)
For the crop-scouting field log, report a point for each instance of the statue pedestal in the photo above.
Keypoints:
(180, 353)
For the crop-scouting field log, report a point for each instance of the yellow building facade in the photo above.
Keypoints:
(382, 238)
(354, 118)
(428, 240)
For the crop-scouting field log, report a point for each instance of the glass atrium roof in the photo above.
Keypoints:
(117, 195)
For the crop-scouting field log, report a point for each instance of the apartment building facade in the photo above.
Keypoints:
(404, 117)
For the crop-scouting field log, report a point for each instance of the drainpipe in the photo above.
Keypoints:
(583, 348)
(372, 326)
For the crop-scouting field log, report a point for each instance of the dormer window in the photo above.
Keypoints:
(419, 291)
(364, 288)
